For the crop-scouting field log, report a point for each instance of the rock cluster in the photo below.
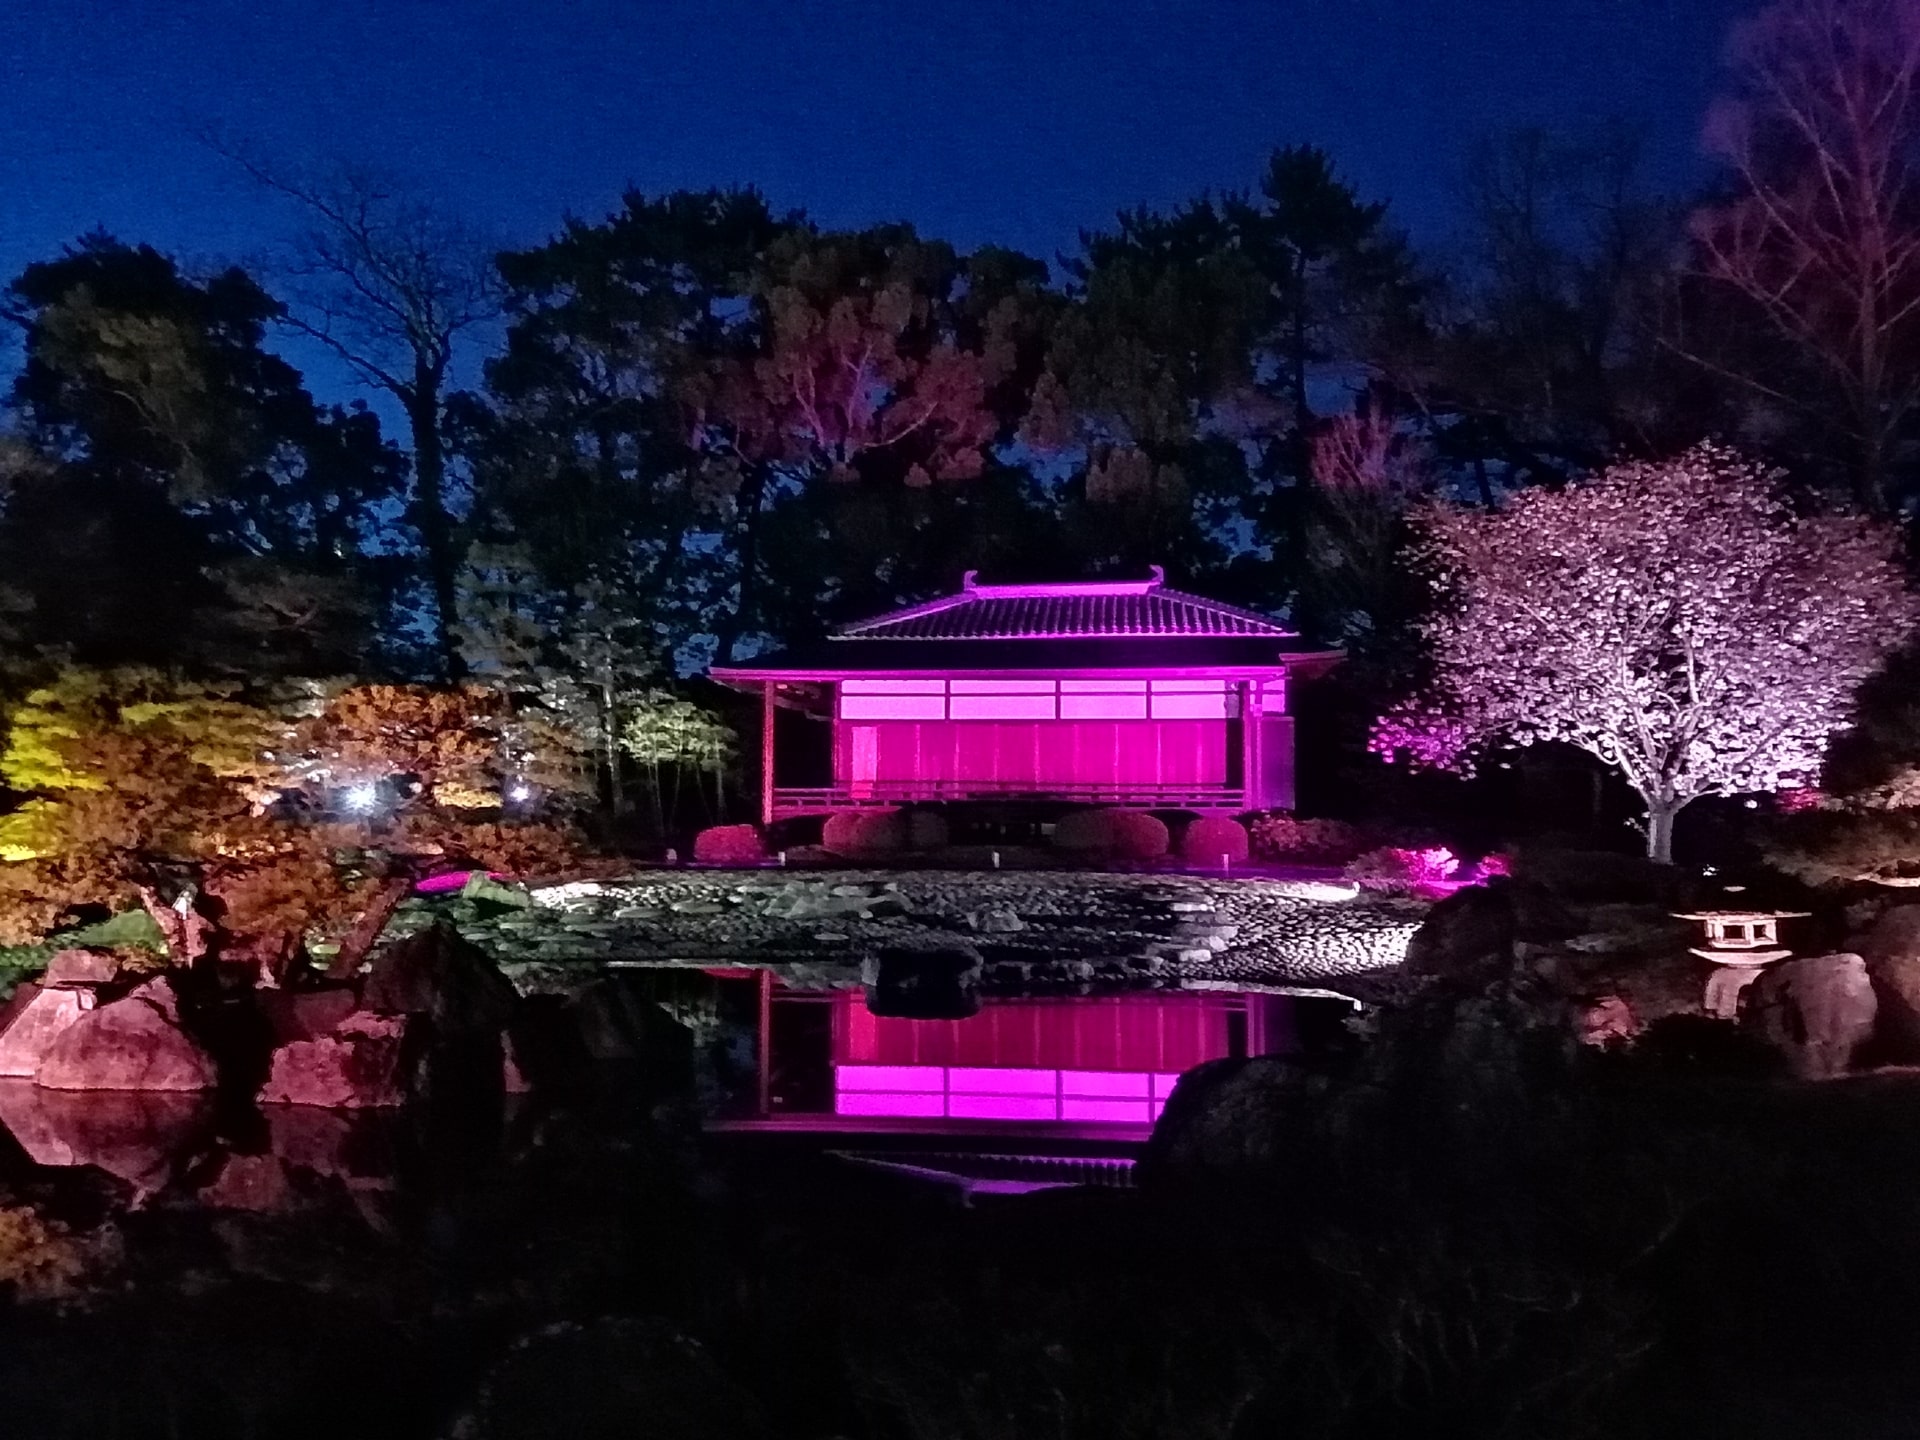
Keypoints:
(431, 1004)
(82, 1028)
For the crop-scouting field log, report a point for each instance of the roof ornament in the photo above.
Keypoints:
(1157, 576)
(970, 580)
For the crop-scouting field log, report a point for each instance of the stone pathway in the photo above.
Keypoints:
(1037, 930)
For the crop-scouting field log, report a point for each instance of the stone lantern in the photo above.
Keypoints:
(1740, 943)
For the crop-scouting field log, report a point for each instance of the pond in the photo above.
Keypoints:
(194, 1269)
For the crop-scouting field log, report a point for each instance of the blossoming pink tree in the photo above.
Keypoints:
(1676, 620)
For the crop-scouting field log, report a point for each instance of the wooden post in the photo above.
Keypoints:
(766, 752)
(1250, 796)
(766, 1042)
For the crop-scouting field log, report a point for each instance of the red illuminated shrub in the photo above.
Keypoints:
(729, 845)
(1118, 834)
(1213, 838)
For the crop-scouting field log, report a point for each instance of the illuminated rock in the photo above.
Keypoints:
(32, 1021)
(134, 1043)
(1818, 1011)
(365, 1063)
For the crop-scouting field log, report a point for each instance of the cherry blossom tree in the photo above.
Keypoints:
(1674, 619)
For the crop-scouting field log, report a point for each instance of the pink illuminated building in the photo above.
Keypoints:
(1106, 692)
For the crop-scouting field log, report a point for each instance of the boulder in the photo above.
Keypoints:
(1228, 1115)
(1468, 937)
(441, 977)
(367, 1062)
(1892, 952)
(305, 1014)
(923, 983)
(1214, 838)
(31, 1021)
(134, 1043)
(608, 1022)
(80, 969)
(1472, 936)
(1608, 1020)
(1817, 1011)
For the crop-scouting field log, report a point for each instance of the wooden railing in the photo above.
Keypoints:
(788, 800)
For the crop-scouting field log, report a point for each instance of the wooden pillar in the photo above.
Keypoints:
(766, 752)
(1250, 796)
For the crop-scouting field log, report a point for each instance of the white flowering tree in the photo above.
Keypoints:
(1677, 620)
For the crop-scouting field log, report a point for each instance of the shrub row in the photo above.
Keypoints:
(1090, 834)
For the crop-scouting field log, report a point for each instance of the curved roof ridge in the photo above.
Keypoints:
(1098, 609)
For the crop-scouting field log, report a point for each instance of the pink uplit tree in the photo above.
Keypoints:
(1676, 620)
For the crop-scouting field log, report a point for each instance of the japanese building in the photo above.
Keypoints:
(1105, 692)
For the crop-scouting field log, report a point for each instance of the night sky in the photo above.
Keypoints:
(994, 120)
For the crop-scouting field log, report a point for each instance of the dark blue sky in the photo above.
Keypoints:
(985, 121)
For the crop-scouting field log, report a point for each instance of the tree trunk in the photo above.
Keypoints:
(367, 929)
(430, 515)
(1660, 818)
(1297, 376)
(747, 548)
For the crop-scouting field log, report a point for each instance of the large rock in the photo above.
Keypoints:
(31, 1021)
(134, 1043)
(368, 1062)
(939, 982)
(305, 1014)
(1817, 1011)
(1229, 1115)
(1474, 936)
(1892, 952)
(1467, 938)
(80, 969)
(444, 978)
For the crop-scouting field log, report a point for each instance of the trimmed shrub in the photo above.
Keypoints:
(884, 832)
(1392, 869)
(1212, 838)
(840, 834)
(1280, 836)
(729, 845)
(1119, 834)
(926, 830)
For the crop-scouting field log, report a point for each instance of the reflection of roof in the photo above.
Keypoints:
(1061, 611)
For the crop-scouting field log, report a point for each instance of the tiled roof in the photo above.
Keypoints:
(1100, 609)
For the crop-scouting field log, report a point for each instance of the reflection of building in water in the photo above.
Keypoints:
(1107, 1062)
